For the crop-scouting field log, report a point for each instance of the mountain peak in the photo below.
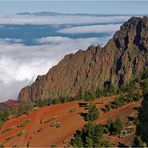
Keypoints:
(133, 32)
(117, 64)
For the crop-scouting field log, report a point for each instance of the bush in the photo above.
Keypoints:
(4, 116)
(114, 128)
(144, 85)
(117, 127)
(105, 91)
(90, 136)
(138, 142)
(24, 108)
(1, 146)
(89, 96)
(119, 102)
(108, 107)
(93, 112)
(100, 92)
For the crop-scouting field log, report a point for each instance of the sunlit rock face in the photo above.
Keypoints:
(122, 60)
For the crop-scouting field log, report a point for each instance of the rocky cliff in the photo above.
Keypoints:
(120, 61)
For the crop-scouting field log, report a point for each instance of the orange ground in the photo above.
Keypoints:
(38, 130)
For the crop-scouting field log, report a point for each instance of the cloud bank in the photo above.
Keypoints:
(21, 63)
(56, 20)
(91, 29)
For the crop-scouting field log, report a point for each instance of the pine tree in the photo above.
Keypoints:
(93, 113)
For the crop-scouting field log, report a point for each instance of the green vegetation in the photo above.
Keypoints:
(108, 107)
(4, 116)
(141, 138)
(5, 130)
(24, 108)
(54, 123)
(87, 95)
(1, 146)
(114, 128)
(90, 136)
(20, 133)
(93, 112)
(119, 102)
(105, 91)
(53, 145)
(122, 100)
(23, 123)
(138, 142)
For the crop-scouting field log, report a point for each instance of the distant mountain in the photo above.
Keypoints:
(46, 13)
(40, 13)
(122, 60)
(9, 104)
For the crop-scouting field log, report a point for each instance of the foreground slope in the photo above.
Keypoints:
(56, 124)
(122, 60)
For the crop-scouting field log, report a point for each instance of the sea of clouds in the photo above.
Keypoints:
(20, 63)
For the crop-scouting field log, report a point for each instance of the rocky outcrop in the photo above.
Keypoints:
(119, 62)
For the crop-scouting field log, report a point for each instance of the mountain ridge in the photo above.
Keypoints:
(119, 62)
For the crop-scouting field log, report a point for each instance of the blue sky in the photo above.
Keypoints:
(99, 7)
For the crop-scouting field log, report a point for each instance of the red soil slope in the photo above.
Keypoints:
(39, 127)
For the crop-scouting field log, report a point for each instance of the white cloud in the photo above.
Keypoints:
(11, 90)
(8, 40)
(53, 39)
(91, 29)
(64, 19)
(20, 64)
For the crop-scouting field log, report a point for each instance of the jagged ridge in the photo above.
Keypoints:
(119, 62)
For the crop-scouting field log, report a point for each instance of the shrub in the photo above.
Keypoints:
(88, 96)
(119, 102)
(117, 127)
(93, 112)
(1, 146)
(24, 108)
(105, 91)
(4, 116)
(89, 136)
(114, 128)
(138, 142)
(20, 133)
(108, 107)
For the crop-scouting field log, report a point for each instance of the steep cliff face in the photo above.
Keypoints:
(120, 61)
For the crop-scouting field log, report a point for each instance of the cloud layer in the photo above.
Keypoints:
(20, 63)
(57, 19)
(109, 28)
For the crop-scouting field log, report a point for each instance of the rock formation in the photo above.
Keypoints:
(122, 60)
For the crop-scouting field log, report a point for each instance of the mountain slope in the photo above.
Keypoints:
(9, 105)
(122, 60)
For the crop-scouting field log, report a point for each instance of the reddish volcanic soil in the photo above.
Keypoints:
(56, 124)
